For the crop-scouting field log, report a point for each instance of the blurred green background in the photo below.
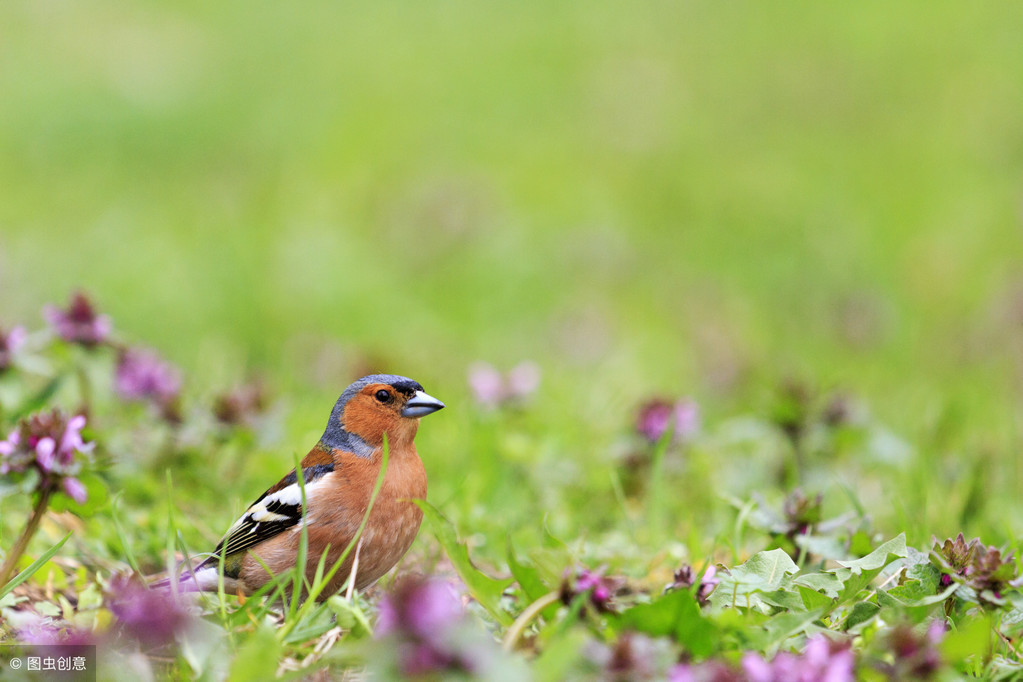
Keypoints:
(681, 198)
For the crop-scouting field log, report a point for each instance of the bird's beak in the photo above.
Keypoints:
(420, 405)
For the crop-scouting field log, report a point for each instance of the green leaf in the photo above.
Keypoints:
(676, 614)
(826, 582)
(879, 558)
(527, 576)
(812, 599)
(971, 638)
(861, 613)
(561, 656)
(762, 572)
(257, 658)
(781, 627)
(350, 616)
(33, 567)
(39, 400)
(486, 590)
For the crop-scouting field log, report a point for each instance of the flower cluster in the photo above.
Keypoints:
(492, 389)
(601, 588)
(980, 568)
(10, 342)
(685, 579)
(48, 442)
(422, 617)
(142, 376)
(821, 660)
(656, 417)
(79, 323)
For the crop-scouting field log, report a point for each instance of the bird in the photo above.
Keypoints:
(339, 475)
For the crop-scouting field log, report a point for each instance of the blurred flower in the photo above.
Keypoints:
(708, 671)
(79, 323)
(239, 405)
(632, 657)
(657, 416)
(802, 513)
(423, 617)
(38, 631)
(821, 661)
(492, 389)
(9, 344)
(685, 579)
(601, 588)
(915, 651)
(151, 617)
(141, 375)
(48, 442)
(419, 608)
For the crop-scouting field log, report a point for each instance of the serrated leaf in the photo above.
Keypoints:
(880, 557)
(762, 572)
(826, 582)
(486, 590)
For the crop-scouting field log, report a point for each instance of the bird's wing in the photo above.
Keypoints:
(276, 510)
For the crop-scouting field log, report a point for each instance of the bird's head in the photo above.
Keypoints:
(375, 405)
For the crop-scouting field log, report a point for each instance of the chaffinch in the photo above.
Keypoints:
(339, 474)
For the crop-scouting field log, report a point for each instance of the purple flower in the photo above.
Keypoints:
(48, 442)
(141, 375)
(493, 389)
(821, 661)
(420, 608)
(79, 323)
(9, 344)
(602, 589)
(37, 631)
(151, 617)
(708, 671)
(685, 578)
(423, 618)
(657, 416)
(915, 652)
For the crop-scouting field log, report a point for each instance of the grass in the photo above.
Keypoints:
(669, 200)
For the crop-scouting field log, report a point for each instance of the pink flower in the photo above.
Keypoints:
(79, 323)
(657, 416)
(601, 588)
(425, 620)
(821, 661)
(151, 617)
(493, 389)
(141, 375)
(685, 578)
(9, 344)
(48, 442)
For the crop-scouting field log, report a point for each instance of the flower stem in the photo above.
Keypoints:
(515, 631)
(30, 529)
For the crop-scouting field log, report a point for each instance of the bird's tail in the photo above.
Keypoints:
(203, 577)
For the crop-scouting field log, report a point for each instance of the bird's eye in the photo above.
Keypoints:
(383, 396)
